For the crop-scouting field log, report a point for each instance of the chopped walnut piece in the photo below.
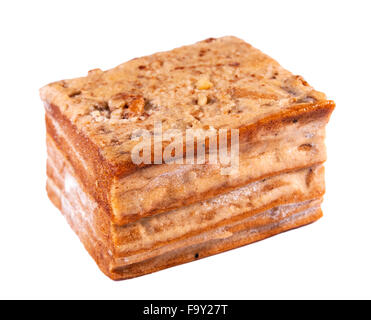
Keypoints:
(202, 99)
(204, 84)
(137, 106)
(126, 105)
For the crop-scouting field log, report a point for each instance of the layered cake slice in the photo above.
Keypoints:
(139, 217)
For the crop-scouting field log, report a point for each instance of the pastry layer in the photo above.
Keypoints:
(293, 216)
(263, 225)
(160, 188)
(253, 207)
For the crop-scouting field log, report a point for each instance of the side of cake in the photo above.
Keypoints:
(242, 216)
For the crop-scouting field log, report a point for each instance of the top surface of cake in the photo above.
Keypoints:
(219, 83)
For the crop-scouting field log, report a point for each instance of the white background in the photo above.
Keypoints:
(327, 42)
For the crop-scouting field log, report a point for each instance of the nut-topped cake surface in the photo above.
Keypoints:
(214, 83)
